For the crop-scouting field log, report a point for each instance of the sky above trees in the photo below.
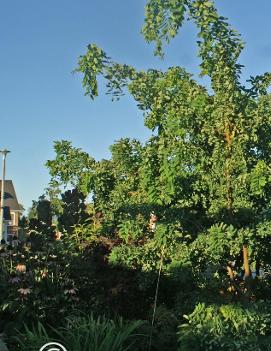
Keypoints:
(42, 101)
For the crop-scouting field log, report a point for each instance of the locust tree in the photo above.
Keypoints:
(207, 164)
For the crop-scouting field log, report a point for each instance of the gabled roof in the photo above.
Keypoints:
(10, 198)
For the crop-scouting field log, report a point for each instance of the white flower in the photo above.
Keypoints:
(24, 291)
(70, 291)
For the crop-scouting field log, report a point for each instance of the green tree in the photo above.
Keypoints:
(73, 210)
(206, 168)
(40, 222)
(77, 171)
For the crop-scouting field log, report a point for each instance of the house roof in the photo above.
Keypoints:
(10, 198)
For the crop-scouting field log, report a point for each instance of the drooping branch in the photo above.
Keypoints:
(96, 63)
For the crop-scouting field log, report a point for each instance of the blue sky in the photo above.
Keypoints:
(42, 101)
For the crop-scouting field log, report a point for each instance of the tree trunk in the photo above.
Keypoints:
(246, 262)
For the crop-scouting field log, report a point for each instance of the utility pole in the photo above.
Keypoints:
(4, 152)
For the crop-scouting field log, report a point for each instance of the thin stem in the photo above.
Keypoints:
(156, 296)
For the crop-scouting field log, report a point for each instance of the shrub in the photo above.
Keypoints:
(227, 328)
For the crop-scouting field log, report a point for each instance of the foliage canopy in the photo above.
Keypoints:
(206, 168)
